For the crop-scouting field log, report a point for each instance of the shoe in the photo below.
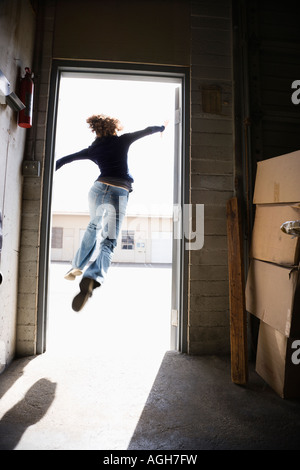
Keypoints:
(70, 276)
(87, 285)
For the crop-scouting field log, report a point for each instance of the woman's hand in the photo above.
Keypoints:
(164, 124)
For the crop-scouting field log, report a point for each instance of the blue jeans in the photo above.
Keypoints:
(107, 205)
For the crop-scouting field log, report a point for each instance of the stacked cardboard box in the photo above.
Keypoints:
(273, 281)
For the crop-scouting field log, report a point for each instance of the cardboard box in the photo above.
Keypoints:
(277, 180)
(278, 361)
(269, 243)
(273, 296)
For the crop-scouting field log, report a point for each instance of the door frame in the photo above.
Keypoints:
(179, 342)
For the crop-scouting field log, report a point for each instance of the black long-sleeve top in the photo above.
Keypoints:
(110, 153)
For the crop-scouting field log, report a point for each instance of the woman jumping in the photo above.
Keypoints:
(108, 198)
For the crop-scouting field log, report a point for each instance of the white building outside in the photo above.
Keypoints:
(142, 239)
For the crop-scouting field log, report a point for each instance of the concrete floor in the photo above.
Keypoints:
(101, 386)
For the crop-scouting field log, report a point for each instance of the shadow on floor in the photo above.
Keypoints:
(194, 405)
(99, 403)
(26, 413)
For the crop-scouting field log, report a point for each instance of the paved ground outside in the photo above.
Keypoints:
(130, 312)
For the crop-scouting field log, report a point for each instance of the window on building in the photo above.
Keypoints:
(127, 240)
(57, 237)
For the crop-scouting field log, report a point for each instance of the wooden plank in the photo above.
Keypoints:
(238, 320)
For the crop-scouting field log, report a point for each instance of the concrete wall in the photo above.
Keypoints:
(28, 292)
(17, 28)
(194, 34)
(148, 31)
(212, 172)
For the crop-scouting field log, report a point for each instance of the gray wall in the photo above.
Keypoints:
(212, 171)
(17, 25)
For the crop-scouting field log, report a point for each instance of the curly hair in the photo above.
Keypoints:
(103, 125)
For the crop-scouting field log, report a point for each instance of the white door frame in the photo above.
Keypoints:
(181, 187)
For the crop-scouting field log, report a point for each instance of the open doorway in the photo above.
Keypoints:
(136, 305)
